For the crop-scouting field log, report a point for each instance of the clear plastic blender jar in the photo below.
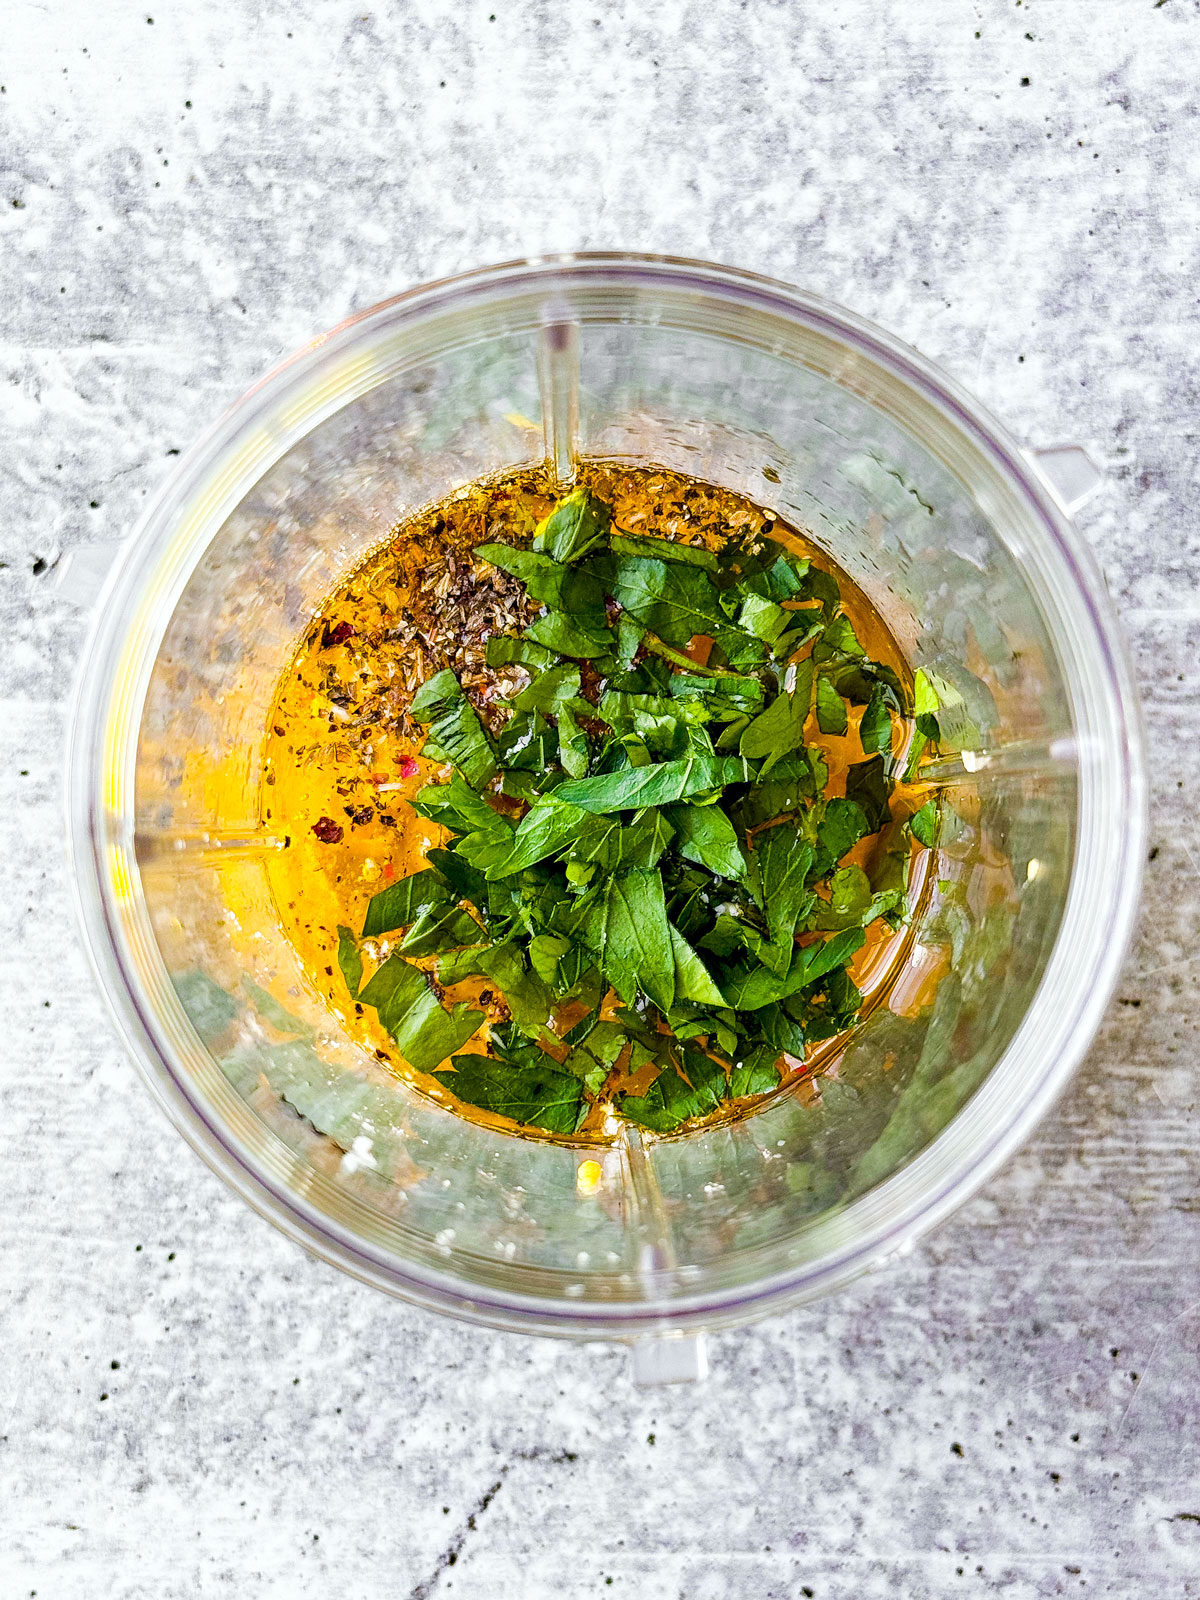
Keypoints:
(960, 539)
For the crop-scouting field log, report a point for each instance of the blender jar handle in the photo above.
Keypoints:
(80, 573)
(669, 1358)
(1070, 472)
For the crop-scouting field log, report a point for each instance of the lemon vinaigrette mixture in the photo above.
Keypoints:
(600, 806)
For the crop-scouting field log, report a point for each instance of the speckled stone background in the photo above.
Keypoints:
(188, 1405)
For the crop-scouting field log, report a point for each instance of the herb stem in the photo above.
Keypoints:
(655, 645)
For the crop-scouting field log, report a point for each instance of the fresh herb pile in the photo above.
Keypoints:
(646, 843)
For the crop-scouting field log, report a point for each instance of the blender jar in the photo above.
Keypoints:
(959, 539)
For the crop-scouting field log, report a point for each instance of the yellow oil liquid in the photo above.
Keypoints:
(342, 760)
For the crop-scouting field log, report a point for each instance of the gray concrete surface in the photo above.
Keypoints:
(188, 1405)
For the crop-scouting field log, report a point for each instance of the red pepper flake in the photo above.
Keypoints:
(409, 768)
(389, 872)
(327, 830)
(338, 635)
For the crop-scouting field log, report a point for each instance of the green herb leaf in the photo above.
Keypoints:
(959, 723)
(851, 902)
(671, 1100)
(455, 732)
(548, 827)
(763, 618)
(831, 708)
(837, 638)
(707, 837)
(595, 1051)
(573, 752)
(780, 1031)
(466, 882)
(730, 934)
(823, 587)
(547, 581)
(425, 1033)
(527, 743)
(440, 928)
(780, 576)
(722, 697)
(925, 700)
(794, 779)
(739, 649)
(577, 526)
(549, 690)
(626, 930)
(528, 998)
(566, 969)
(924, 825)
(534, 1090)
(614, 846)
(842, 826)
(456, 806)
(834, 953)
(875, 729)
(647, 714)
(692, 978)
(867, 785)
(687, 1021)
(349, 960)
(502, 650)
(582, 635)
(758, 1073)
(675, 602)
(402, 902)
(783, 860)
(654, 785)
(637, 544)
(749, 988)
(780, 728)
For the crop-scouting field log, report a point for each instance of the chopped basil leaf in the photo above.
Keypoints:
(402, 902)
(636, 544)
(531, 1089)
(875, 729)
(675, 602)
(779, 730)
(654, 785)
(577, 525)
(783, 858)
(692, 979)
(868, 787)
(924, 825)
(831, 708)
(707, 837)
(440, 928)
(582, 635)
(455, 731)
(611, 845)
(673, 1099)
(626, 929)
(425, 1033)
(349, 960)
